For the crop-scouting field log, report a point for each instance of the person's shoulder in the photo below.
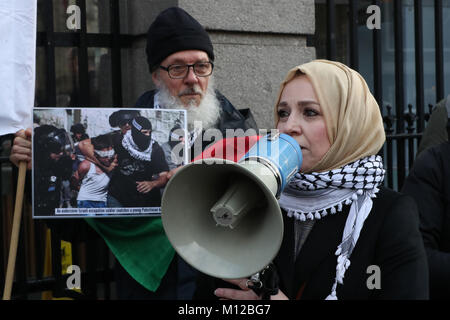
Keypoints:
(232, 117)
(389, 195)
(432, 159)
(156, 147)
(390, 203)
(84, 166)
(225, 104)
(146, 100)
(386, 196)
(166, 146)
(440, 151)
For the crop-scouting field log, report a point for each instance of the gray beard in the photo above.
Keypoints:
(207, 112)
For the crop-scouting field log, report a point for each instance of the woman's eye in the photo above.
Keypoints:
(283, 113)
(310, 112)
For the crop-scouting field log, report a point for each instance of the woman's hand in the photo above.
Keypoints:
(245, 293)
(235, 294)
(21, 150)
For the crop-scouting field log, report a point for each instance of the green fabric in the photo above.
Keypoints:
(139, 244)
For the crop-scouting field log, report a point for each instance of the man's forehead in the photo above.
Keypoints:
(188, 56)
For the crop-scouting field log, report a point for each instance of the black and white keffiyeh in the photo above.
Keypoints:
(132, 148)
(315, 195)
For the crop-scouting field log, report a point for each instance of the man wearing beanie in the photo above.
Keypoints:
(180, 57)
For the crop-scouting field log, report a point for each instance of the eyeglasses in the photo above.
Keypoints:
(179, 71)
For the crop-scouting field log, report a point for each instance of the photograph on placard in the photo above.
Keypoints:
(99, 162)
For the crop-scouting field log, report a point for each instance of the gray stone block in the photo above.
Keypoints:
(141, 13)
(272, 16)
(255, 44)
(249, 70)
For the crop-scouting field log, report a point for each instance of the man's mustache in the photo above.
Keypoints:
(189, 91)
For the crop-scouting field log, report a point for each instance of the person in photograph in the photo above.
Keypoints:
(141, 168)
(90, 180)
(174, 147)
(78, 132)
(119, 119)
(52, 165)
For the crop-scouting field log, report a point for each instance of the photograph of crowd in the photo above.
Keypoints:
(97, 162)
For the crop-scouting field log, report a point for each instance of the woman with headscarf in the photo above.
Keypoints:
(346, 236)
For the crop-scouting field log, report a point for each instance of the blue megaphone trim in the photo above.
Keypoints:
(279, 152)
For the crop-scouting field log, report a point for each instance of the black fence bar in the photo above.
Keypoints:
(83, 60)
(39, 241)
(106, 283)
(331, 30)
(116, 61)
(418, 34)
(390, 161)
(92, 259)
(438, 26)
(50, 55)
(56, 262)
(377, 64)
(411, 152)
(378, 85)
(353, 34)
(399, 89)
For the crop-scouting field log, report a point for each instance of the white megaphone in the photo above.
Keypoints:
(223, 217)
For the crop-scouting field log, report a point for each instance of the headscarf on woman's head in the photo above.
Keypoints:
(352, 115)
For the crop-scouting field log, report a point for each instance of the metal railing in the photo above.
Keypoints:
(404, 124)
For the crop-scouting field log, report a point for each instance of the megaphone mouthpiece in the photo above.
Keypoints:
(238, 200)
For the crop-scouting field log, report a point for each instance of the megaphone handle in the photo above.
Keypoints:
(15, 231)
(266, 282)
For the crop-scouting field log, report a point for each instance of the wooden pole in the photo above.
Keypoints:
(15, 231)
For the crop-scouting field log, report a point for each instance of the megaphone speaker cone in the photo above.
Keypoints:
(190, 201)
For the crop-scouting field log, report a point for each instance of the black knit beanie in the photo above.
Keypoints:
(175, 30)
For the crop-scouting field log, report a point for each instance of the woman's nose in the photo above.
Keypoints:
(293, 126)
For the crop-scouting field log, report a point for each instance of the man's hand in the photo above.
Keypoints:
(21, 150)
(113, 165)
(144, 186)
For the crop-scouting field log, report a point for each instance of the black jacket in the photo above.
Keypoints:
(390, 239)
(429, 184)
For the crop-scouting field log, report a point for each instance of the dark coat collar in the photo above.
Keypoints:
(321, 243)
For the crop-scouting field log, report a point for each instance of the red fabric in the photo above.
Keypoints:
(230, 148)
